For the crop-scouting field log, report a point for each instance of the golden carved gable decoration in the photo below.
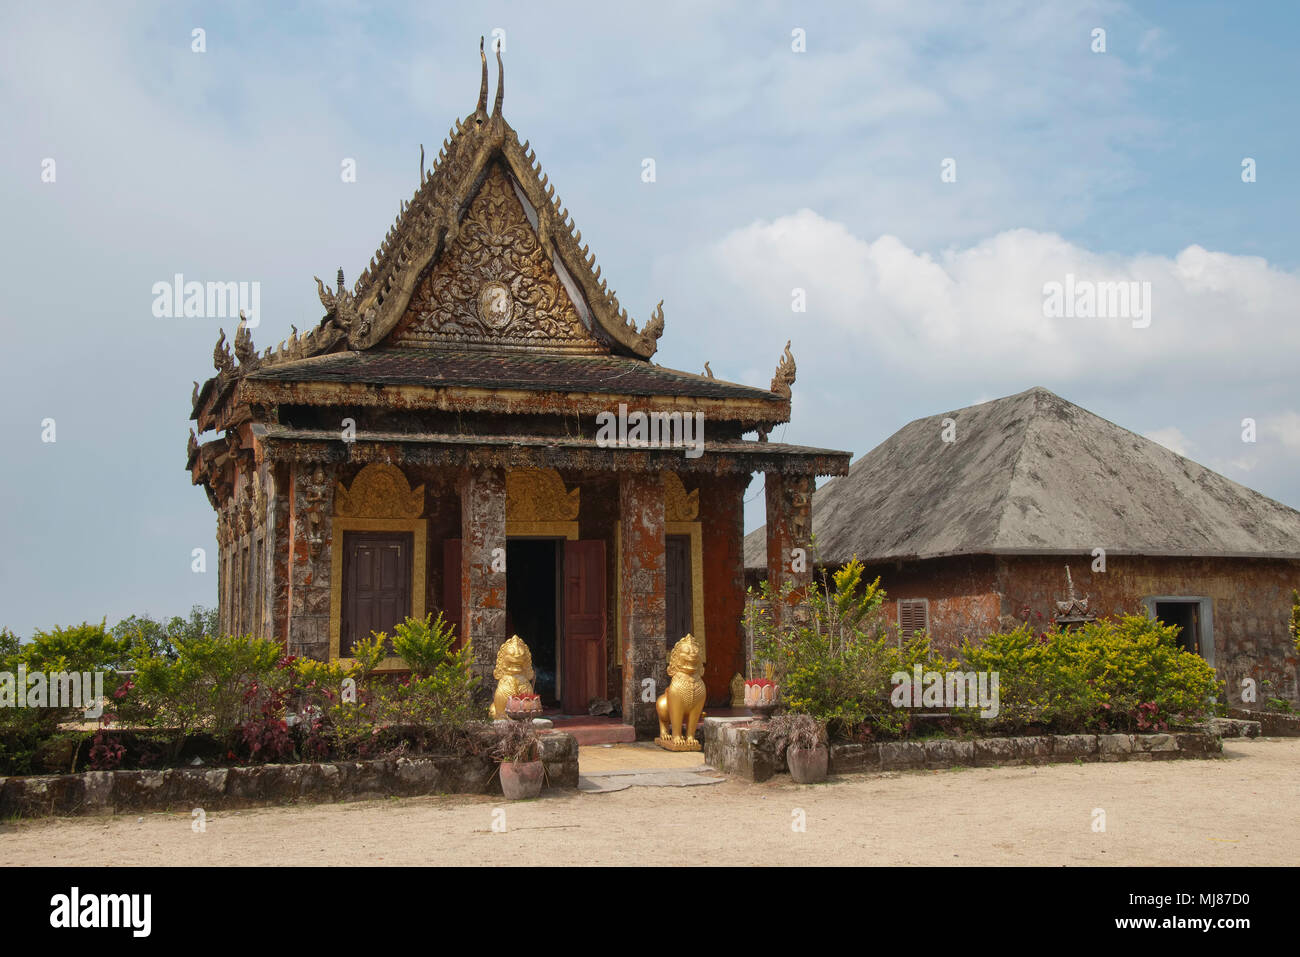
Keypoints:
(379, 491)
(678, 505)
(494, 285)
(539, 495)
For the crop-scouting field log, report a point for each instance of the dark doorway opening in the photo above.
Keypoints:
(532, 606)
(1187, 616)
(678, 604)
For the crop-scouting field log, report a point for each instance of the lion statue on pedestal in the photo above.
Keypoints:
(682, 705)
(514, 674)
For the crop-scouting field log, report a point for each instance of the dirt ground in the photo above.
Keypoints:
(1240, 809)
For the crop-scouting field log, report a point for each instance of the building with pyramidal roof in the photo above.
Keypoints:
(972, 516)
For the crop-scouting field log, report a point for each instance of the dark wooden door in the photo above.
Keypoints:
(584, 625)
(376, 584)
(451, 594)
(677, 566)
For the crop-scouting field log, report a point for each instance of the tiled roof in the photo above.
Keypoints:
(498, 370)
(1034, 474)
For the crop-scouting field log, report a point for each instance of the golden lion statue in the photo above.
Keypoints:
(681, 706)
(514, 674)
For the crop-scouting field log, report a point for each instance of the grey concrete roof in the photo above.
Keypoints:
(1034, 474)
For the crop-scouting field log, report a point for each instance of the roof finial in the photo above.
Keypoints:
(501, 80)
(482, 90)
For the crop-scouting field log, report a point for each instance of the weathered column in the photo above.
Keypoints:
(789, 533)
(482, 566)
(642, 584)
(310, 539)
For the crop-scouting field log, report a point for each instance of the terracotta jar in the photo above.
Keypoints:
(522, 779)
(807, 765)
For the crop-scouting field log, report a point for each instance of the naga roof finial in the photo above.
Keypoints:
(482, 90)
(501, 81)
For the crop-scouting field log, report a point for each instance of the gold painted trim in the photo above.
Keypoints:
(567, 530)
(696, 532)
(419, 544)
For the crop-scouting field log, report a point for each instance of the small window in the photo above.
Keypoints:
(913, 616)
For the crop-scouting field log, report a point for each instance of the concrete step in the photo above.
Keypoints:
(590, 730)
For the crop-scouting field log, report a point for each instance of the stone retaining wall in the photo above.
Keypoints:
(1273, 724)
(737, 748)
(269, 784)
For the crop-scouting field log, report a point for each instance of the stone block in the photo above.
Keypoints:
(947, 753)
(143, 790)
(991, 752)
(1115, 747)
(848, 758)
(1034, 749)
(901, 755)
(1069, 747)
(196, 787)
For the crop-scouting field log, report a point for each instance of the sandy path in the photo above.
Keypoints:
(1237, 810)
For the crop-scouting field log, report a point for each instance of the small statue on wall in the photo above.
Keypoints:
(682, 705)
(513, 673)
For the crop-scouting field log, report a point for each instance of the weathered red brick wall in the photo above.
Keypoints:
(278, 550)
(1251, 603)
(483, 587)
(789, 533)
(311, 523)
(643, 583)
(722, 519)
(962, 592)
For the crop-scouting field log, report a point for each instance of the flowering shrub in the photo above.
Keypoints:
(1125, 674)
(833, 656)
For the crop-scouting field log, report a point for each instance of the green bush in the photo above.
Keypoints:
(213, 685)
(161, 638)
(425, 645)
(1126, 674)
(834, 658)
(27, 734)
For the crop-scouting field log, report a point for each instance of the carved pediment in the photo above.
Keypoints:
(678, 505)
(379, 491)
(494, 284)
(539, 495)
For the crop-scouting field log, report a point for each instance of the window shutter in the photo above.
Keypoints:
(913, 616)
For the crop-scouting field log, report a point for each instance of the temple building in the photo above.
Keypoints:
(476, 427)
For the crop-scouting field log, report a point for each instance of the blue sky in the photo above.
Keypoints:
(774, 170)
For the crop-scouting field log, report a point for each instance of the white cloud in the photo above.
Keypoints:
(1285, 427)
(966, 311)
(1173, 439)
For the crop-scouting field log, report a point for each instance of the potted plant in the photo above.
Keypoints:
(518, 748)
(802, 739)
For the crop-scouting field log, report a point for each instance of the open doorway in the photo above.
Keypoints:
(1186, 615)
(532, 607)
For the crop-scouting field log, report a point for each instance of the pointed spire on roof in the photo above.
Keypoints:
(482, 90)
(501, 81)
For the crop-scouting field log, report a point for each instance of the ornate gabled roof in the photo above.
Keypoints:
(478, 151)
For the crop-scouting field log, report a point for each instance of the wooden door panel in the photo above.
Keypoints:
(584, 624)
(677, 593)
(451, 596)
(376, 584)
